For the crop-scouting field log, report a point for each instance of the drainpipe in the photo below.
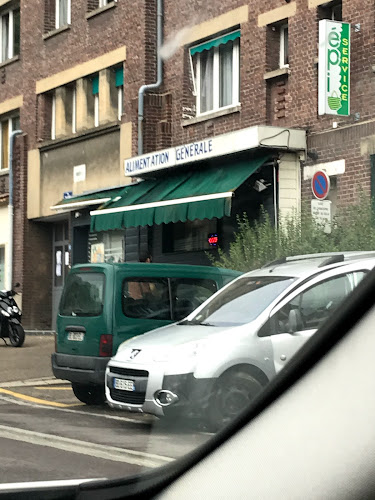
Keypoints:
(10, 208)
(152, 86)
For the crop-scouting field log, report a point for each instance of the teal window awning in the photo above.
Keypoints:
(95, 84)
(119, 77)
(199, 194)
(215, 42)
(89, 199)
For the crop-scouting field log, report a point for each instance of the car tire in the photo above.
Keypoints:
(233, 391)
(16, 335)
(89, 394)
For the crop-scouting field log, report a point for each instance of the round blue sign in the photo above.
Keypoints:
(320, 185)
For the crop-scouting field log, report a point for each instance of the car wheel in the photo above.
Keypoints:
(16, 335)
(89, 394)
(232, 393)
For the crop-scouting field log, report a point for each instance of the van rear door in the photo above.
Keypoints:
(83, 315)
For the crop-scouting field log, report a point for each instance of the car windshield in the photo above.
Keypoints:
(187, 195)
(242, 301)
(83, 295)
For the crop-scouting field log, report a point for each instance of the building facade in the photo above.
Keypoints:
(233, 124)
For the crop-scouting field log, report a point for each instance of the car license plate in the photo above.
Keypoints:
(123, 385)
(78, 336)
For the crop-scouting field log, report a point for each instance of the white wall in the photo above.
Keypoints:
(4, 235)
(289, 185)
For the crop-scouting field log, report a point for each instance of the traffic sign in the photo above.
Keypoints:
(320, 185)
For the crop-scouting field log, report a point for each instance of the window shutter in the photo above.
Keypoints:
(119, 77)
(95, 85)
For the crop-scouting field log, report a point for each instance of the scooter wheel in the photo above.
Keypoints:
(16, 335)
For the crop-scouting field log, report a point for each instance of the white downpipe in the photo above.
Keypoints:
(9, 279)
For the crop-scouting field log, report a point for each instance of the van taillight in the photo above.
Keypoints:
(105, 348)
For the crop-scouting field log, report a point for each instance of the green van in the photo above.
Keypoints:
(103, 305)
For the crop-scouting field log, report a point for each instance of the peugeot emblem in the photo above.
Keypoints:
(134, 353)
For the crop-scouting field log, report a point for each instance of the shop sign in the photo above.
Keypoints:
(213, 239)
(321, 212)
(334, 68)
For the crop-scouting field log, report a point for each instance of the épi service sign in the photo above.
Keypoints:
(334, 68)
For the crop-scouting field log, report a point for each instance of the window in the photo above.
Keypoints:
(7, 126)
(331, 10)
(103, 3)
(284, 56)
(62, 13)
(83, 294)
(9, 34)
(119, 83)
(310, 309)
(150, 298)
(216, 69)
(95, 93)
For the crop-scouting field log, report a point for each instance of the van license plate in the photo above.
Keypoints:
(78, 336)
(123, 385)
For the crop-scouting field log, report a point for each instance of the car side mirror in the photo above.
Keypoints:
(294, 321)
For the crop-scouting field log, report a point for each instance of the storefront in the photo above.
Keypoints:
(185, 201)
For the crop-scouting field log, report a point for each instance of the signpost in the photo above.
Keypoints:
(334, 68)
(320, 185)
(322, 213)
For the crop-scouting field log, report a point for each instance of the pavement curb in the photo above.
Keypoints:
(40, 333)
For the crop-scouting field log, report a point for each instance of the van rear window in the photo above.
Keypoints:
(83, 295)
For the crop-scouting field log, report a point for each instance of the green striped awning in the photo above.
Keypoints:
(178, 196)
(215, 42)
(94, 198)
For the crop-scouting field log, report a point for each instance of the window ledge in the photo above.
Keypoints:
(9, 61)
(4, 171)
(276, 73)
(55, 32)
(209, 116)
(79, 136)
(98, 11)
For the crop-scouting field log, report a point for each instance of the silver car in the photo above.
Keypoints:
(212, 363)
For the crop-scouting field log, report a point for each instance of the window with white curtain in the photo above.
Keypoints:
(9, 34)
(7, 126)
(62, 14)
(216, 71)
(284, 46)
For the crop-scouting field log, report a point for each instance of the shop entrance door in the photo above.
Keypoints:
(61, 264)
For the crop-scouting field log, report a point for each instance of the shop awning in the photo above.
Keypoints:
(199, 194)
(86, 200)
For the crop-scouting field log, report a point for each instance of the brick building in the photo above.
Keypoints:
(233, 125)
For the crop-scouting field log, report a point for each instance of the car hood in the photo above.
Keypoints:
(172, 336)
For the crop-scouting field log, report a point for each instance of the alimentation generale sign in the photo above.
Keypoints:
(334, 68)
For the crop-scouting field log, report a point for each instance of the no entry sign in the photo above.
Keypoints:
(320, 185)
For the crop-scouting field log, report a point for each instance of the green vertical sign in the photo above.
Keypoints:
(334, 68)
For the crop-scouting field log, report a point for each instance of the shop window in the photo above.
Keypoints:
(2, 268)
(9, 34)
(113, 246)
(189, 236)
(277, 46)
(216, 72)
(7, 126)
(330, 10)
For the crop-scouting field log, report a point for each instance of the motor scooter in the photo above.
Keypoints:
(10, 318)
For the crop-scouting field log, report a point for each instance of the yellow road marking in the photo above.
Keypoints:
(37, 400)
(54, 388)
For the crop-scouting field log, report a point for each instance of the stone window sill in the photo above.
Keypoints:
(96, 12)
(211, 116)
(4, 171)
(9, 61)
(55, 32)
(276, 73)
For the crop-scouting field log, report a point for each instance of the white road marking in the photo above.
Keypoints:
(82, 447)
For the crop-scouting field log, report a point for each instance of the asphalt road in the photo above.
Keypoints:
(46, 433)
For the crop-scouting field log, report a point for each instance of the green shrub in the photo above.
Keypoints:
(260, 242)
